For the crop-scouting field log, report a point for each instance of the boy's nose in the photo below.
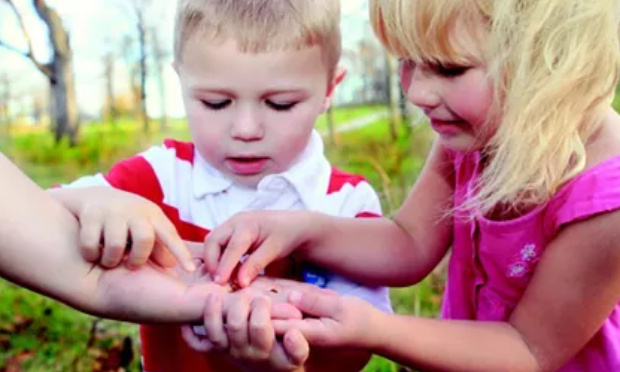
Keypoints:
(423, 90)
(247, 126)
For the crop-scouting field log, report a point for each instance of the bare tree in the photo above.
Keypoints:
(59, 71)
(160, 55)
(140, 8)
(331, 126)
(109, 64)
(393, 94)
(133, 70)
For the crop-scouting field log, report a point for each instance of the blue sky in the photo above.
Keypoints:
(94, 26)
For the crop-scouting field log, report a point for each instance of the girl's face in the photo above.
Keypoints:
(456, 99)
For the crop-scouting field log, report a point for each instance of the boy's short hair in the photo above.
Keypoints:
(262, 25)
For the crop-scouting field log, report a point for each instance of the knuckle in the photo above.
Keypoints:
(143, 237)
(235, 325)
(259, 326)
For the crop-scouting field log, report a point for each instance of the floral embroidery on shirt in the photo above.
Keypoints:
(517, 270)
(523, 262)
(528, 252)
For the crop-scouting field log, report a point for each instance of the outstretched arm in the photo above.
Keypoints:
(557, 316)
(374, 251)
(39, 250)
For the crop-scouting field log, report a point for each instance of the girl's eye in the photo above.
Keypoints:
(216, 105)
(281, 106)
(450, 70)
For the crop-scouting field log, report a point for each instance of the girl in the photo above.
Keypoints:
(523, 183)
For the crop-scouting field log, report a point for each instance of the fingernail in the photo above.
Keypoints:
(190, 266)
(217, 279)
(295, 297)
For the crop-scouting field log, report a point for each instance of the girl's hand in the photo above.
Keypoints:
(331, 320)
(268, 235)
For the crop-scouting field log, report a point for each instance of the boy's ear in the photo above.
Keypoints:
(339, 76)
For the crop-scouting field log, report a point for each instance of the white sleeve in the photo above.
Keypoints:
(88, 181)
(379, 297)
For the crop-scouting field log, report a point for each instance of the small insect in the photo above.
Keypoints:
(234, 282)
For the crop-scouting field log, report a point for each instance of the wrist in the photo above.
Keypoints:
(315, 227)
(373, 338)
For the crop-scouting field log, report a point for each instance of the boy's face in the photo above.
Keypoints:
(251, 115)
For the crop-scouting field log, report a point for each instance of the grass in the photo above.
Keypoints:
(37, 334)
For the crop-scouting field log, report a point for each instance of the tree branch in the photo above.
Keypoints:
(29, 53)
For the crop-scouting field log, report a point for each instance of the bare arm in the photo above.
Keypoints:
(39, 250)
(548, 327)
(410, 246)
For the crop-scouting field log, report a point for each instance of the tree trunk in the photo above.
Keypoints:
(66, 112)
(159, 55)
(65, 108)
(394, 96)
(143, 72)
(331, 126)
(112, 111)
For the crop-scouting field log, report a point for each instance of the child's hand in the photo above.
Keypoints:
(271, 235)
(117, 224)
(334, 320)
(247, 332)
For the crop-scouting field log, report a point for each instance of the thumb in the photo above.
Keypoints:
(282, 310)
(316, 304)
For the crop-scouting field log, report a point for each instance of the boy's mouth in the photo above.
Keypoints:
(246, 166)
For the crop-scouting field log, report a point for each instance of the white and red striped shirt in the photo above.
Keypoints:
(197, 198)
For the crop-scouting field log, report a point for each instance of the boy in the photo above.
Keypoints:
(255, 74)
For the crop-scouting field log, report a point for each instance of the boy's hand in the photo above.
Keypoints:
(116, 225)
(241, 325)
(269, 235)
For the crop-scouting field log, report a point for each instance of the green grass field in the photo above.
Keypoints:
(37, 334)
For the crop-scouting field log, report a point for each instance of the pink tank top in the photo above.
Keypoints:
(492, 262)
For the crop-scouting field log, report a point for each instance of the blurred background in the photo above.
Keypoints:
(84, 84)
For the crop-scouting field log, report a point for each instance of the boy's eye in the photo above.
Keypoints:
(216, 105)
(449, 70)
(281, 106)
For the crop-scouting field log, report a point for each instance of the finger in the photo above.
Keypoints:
(194, 341)
(296, 347)
(316, 303)
(241, 241)
(196, 249)
(285, 311)
(91, 237)
(91, 232)
(266, 253)
(213, 245)
(262, 335)
(115, 242)
(313, 330)
(167, 235)
(237, 326)
(143, 239)
(214, 326)
(162, 256)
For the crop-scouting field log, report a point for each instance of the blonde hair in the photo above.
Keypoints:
(554, 68)
(262, 25)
